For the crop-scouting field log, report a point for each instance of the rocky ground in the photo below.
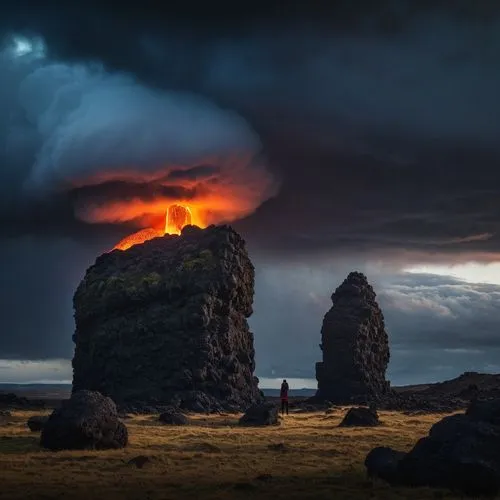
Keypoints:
(306, 457)
(441, 397)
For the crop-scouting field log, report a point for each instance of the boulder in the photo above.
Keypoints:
(484, 411)
(383, 462)
(37, 422)
(355, 345)
(165, 323)
(86, 421)
(261, 414)
(173, 417)
(360, 417)
(9, 400)
(461, 452)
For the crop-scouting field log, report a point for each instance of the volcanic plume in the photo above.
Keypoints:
(125, 153)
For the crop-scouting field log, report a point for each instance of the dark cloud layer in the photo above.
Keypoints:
(379, 116)
(374, 124)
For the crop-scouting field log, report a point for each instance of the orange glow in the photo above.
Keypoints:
(139, 237)
(176, 218)
(217, 190)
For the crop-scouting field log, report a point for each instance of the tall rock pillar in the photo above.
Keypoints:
(355, 344)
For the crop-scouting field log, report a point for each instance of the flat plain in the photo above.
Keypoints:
(306, 457)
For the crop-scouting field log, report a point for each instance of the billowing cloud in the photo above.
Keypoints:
(123, 151)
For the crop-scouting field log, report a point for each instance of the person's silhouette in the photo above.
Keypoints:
(284, 397)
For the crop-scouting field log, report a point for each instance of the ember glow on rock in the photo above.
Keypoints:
(137, 238)
(176, 218)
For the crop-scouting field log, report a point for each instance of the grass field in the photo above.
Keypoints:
(307, 457)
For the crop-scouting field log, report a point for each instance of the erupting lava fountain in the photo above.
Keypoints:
(177, 217)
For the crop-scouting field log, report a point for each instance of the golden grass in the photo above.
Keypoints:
(214, 459)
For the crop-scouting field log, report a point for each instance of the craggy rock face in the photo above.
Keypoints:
(165, 323)
(355, 344)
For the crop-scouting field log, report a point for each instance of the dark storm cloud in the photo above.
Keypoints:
(69, 126)
(39, 277)
(379, 118)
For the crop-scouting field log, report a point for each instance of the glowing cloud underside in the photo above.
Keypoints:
(129, 153)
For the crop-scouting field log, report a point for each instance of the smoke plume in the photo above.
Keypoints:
(122, 151)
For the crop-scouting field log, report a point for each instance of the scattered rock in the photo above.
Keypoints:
(244, 486)
(203, 448)
(461, 452)
(360, 417)
(264, 477)
(180, 304)
(5, 413)
(88, 420)
(173, 417)
(139, 461)
(383, 462)
(420, 403)
(261, 414)
(355, 344)
(9, 400)
(37, 422)
(485, 411)
(278, 447)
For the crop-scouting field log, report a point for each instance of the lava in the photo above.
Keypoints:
(137, 238)
(176, 218)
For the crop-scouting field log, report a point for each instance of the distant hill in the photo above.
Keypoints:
(488, 384)
(63, 391)
(39, 391)
(297, 393)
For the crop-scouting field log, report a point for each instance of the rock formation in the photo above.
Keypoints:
(86, 421)
(165, 323)
(173, 416)
(11, 401)
(36, 422)
(360, 417)
(354, 343)
(261, 414)
(383, 462)
(461, 452)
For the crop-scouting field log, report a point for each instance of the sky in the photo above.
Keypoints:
(348, 135)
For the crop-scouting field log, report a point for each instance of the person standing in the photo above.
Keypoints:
(284, 397)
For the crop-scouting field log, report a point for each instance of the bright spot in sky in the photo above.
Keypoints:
(470, 272)
(22, 46)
